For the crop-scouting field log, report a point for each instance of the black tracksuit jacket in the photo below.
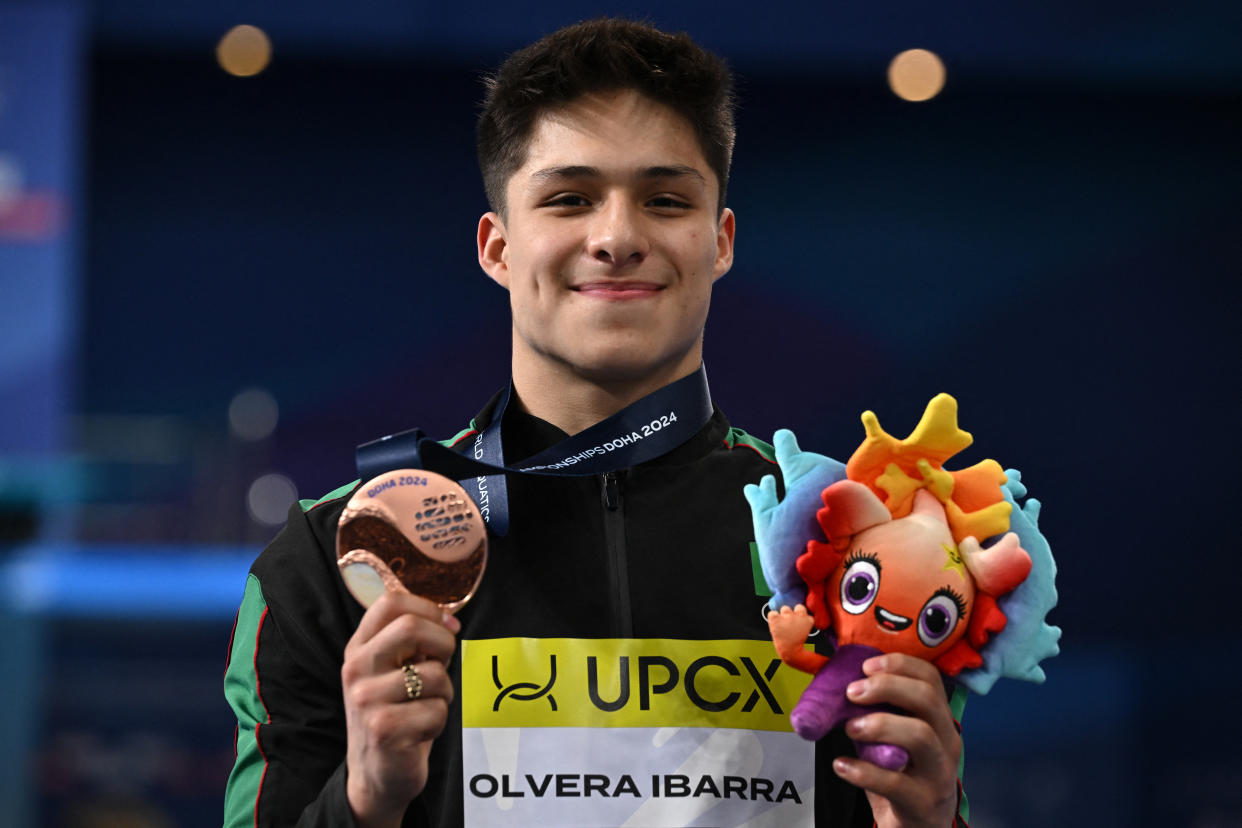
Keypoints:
(657, 551)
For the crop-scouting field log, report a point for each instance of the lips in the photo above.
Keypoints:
(619, 289)
(890, 621)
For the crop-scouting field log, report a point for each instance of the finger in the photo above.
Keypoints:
(404, 725)
(427, 680)
(929, 756)
(892, 785)
(409, 638)
(908, 800)
(902, 665)
(391, 605)
(909, 683)
(926, 802)
(390, 687)
(921, 701)
(928, 733)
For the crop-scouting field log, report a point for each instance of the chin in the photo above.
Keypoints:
(619, 368)
(608, 357)
(633, 365)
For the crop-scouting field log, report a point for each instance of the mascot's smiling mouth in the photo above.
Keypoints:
(890, 621)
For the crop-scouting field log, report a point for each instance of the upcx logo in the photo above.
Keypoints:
(523, 690)
(525, 682)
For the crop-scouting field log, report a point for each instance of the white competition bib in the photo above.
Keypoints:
(661, 733)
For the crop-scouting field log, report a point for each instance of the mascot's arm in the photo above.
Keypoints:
(776, 551)
(790, 629)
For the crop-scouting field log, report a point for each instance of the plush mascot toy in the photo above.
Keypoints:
(892, 553)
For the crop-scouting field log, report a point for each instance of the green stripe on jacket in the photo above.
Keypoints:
(241, 689)
(957, 704)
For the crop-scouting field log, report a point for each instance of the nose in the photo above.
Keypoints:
(617, 236)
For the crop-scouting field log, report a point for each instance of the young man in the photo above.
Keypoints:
(614, 666)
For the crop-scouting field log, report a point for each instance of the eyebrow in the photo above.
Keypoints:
(584, 171)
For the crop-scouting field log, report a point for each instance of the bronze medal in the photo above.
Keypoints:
(413, 530)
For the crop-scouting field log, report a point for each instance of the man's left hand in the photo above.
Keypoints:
(924, 793)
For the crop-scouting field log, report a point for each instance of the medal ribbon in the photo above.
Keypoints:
(644, 430)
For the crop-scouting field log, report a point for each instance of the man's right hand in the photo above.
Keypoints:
(390, 735)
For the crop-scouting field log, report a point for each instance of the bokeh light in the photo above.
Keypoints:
(270, 497)
(244, 51)
(253, 414)
(916, 75)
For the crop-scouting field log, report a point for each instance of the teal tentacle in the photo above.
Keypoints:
(783, 527)
(1027, 639)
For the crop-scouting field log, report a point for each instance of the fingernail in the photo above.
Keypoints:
(878, 664)
(856, 689)
(855, 727)
(843, 767)
(451, 622)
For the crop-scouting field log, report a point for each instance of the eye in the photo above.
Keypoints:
(566, 200)
(668, 203)
(859, 584)
(938, 618)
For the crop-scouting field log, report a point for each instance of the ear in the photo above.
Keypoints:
(724, 243)
(1001, 567)
(849, 508)
(494, 249)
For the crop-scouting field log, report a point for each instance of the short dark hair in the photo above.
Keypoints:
(599, 56)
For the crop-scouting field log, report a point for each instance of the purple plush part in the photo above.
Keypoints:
(824, 705)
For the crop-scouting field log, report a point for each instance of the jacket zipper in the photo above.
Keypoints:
(618, 565)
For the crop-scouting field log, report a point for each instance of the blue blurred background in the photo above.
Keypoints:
(191, 264)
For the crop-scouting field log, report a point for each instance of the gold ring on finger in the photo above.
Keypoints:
(413, 681)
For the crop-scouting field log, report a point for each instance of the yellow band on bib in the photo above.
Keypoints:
(574, 682)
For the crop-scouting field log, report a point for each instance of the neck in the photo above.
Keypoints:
(573, 402)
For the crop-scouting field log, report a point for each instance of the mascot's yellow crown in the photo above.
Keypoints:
(895, 469)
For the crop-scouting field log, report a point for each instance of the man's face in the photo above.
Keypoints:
(610, 244)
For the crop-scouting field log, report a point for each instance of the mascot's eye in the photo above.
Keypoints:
(937, 619)
(859, 585)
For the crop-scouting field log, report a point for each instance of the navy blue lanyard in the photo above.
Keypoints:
(644, 430)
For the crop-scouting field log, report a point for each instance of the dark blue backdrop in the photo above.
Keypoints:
(1054, 240)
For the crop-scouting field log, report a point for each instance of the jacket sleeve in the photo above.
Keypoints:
(283, 682)
(957, 704)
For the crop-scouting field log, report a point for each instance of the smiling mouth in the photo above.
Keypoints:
(890, 621)
(619, 290)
